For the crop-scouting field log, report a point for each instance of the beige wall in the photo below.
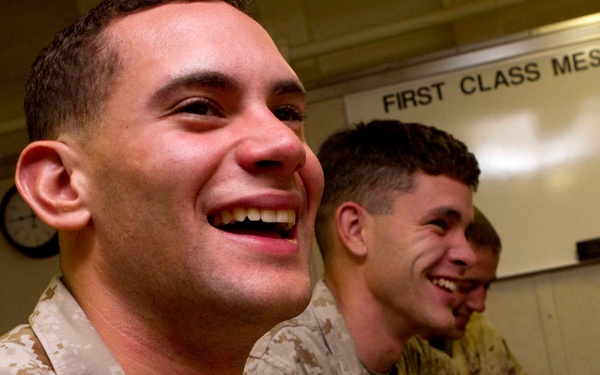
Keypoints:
(22, 279)
(550, 320)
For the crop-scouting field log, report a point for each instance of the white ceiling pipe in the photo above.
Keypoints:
(446, 15)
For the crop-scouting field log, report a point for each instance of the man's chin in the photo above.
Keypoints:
(456, 333)
(288, 302)
(460, 326)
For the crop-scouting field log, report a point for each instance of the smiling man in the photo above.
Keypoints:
(168, 149)
(473, 345)
(391, 229)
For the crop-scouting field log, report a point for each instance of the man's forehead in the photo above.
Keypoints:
(166, 12)
(177, 47)
(444, 187)
(161, 23)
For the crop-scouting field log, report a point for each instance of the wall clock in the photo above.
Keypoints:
(23, 229)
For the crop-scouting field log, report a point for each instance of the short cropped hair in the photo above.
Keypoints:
(482, 234)
(371, 163)
(70, 80)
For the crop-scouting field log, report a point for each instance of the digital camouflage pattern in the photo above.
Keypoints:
(480, 351)
(418, 357)
(59, 339)
(315, 342)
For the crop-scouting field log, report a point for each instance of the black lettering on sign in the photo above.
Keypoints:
(595, 58)
(513, 76)
(532, 71)
(576, 62)
(501, 80)
(466, 85)
(420, 96)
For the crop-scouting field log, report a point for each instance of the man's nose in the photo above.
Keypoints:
(476, 299)
(461, 253)
(272, 146)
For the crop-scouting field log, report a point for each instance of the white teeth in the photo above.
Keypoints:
(268, 216)
(450, 285)
(282, 216)
(287, 217)
(239, 214)
(253, 214)
(226, 217)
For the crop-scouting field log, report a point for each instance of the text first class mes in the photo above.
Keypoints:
(469, 84)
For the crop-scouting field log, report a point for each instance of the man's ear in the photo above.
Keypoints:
(45, 178)
(350, 221)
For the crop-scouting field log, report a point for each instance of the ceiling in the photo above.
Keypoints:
(325, 41)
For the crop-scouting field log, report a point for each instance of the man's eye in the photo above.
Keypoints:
(288, 113)
(469, 231)
(467, 286)
(199, 107)
(443, 224)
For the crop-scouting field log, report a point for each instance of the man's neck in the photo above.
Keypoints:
(141, 350)
(378, 345)
(193, 341)
(441, 343)
(150, 361)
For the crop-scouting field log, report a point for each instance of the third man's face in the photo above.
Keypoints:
(472, 290)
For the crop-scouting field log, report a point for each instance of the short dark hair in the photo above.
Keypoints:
(482, 234)
(370, 163)
(71, 78)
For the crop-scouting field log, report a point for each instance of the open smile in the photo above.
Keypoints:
(263, 222)
(446, 284)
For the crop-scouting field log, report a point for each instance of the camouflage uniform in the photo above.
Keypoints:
(59, 339)
(315, 342)
(480, 351)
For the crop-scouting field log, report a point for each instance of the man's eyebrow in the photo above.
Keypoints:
(191, 81)
(288, 87)
(446, 212)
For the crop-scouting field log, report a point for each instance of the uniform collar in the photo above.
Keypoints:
(67, 335)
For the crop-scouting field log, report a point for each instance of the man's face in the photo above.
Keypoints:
(473, 288)
(419, 252)
(204, 124)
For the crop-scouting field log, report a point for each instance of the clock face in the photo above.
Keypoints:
(23, 229)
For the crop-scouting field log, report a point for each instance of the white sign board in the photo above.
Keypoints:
(533, 121)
